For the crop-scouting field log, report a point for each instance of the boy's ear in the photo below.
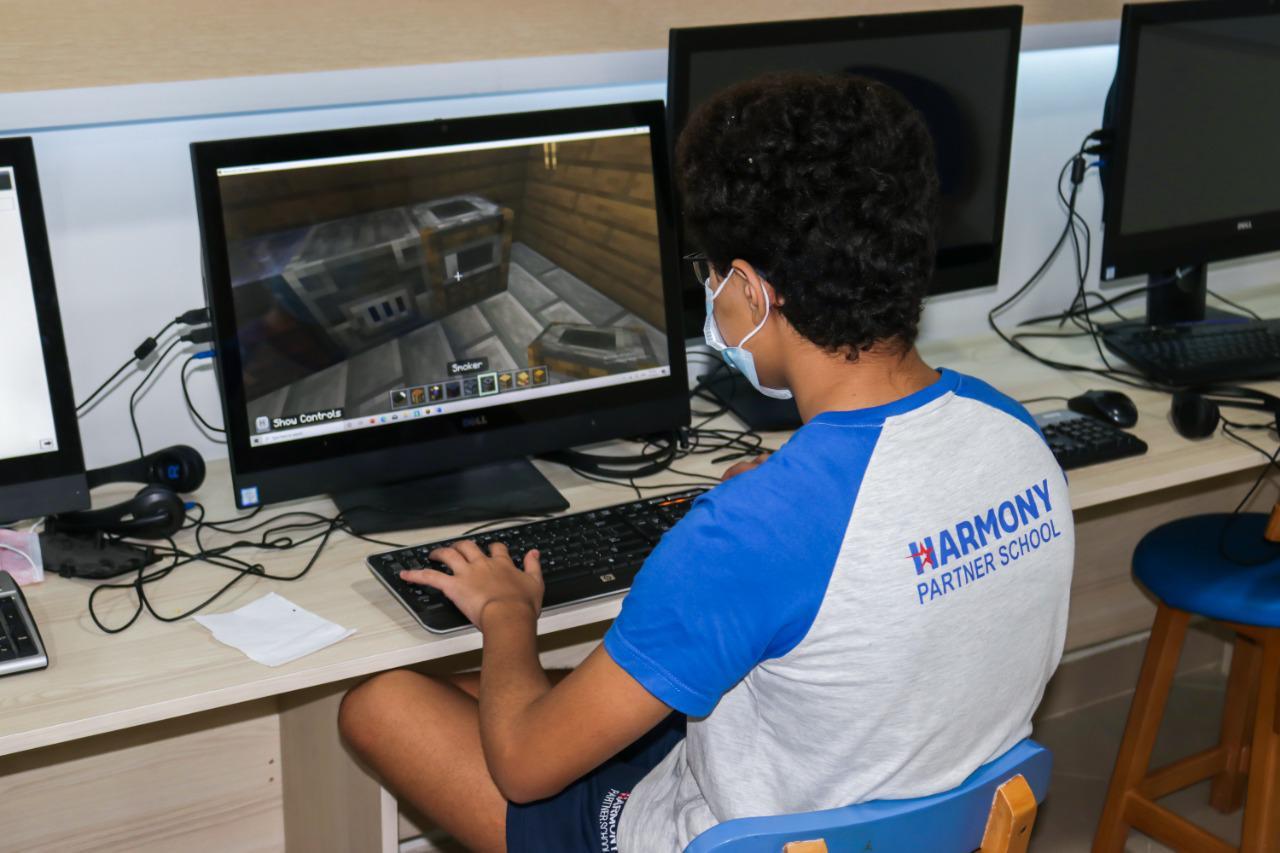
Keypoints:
(752, 284)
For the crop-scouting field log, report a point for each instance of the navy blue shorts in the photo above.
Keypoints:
(584, 816)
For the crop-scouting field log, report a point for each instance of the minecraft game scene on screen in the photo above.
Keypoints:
(363, 288)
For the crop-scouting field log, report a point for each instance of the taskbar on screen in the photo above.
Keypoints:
(331, 421)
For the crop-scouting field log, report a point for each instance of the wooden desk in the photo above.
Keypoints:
(161, 737)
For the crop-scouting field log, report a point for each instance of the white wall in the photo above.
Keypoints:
(116, 175)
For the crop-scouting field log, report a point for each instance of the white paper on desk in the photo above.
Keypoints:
(273, 630)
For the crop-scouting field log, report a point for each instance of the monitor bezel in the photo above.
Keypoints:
(43, 483)
(361, 458)
(952, 273)
(1148, 252)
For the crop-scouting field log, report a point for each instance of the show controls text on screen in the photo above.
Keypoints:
(306, 418)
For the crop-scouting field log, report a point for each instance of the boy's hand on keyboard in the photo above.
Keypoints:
(478, 580)
(744, 466)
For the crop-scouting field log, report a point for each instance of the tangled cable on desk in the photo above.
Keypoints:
(277, 533)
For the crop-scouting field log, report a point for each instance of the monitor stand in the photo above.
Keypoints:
(1174, 297)
(754, 409)
(497, 490)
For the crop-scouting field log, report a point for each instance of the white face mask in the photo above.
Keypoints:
(738, 357)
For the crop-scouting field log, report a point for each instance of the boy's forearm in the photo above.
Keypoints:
(511, 681)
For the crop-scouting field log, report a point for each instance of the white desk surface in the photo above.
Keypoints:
(155, 671)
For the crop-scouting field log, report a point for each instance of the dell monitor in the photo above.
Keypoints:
(41, 464)
(958, 68)
(404, 313)
(1192, 173)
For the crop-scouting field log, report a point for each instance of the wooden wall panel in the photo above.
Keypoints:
(209, 781)
(58, 44)
(263, 202)
(593, 215)
(332, 803)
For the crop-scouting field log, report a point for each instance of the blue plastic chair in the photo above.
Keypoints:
(951, 822)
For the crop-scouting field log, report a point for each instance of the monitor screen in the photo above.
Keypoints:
(418, 281)
(1204, 74)
(26, 422)
(408, 284)
(41, 464)
(957, 68)
(1194, 176)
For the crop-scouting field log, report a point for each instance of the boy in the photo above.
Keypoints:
(870, 613)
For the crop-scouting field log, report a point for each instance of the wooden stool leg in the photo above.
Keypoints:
(1227, 794)
(1158, 668)
(1262, 804)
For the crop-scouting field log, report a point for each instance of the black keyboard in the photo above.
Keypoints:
(1078, 440)
(585, 555)
(20, 646)
(1199, 353)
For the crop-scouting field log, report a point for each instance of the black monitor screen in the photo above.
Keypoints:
(1192, 174)
(1204, 123)
(957, 68)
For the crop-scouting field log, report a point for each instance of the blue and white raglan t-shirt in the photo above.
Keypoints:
(873, 613)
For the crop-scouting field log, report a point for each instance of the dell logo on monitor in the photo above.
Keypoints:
(474, 421)
(1244, 225)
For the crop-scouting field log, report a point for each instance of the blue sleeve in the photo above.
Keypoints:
(740, 579)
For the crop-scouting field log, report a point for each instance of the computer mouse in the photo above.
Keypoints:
(1111, 406)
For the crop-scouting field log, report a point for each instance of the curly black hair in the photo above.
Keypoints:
(826, 184)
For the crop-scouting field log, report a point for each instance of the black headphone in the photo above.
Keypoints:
(1196, 413)
(155, 512)
(180, 468)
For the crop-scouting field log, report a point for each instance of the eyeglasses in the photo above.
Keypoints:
(701, 266)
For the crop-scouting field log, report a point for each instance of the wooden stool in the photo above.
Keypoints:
(1182, 564)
